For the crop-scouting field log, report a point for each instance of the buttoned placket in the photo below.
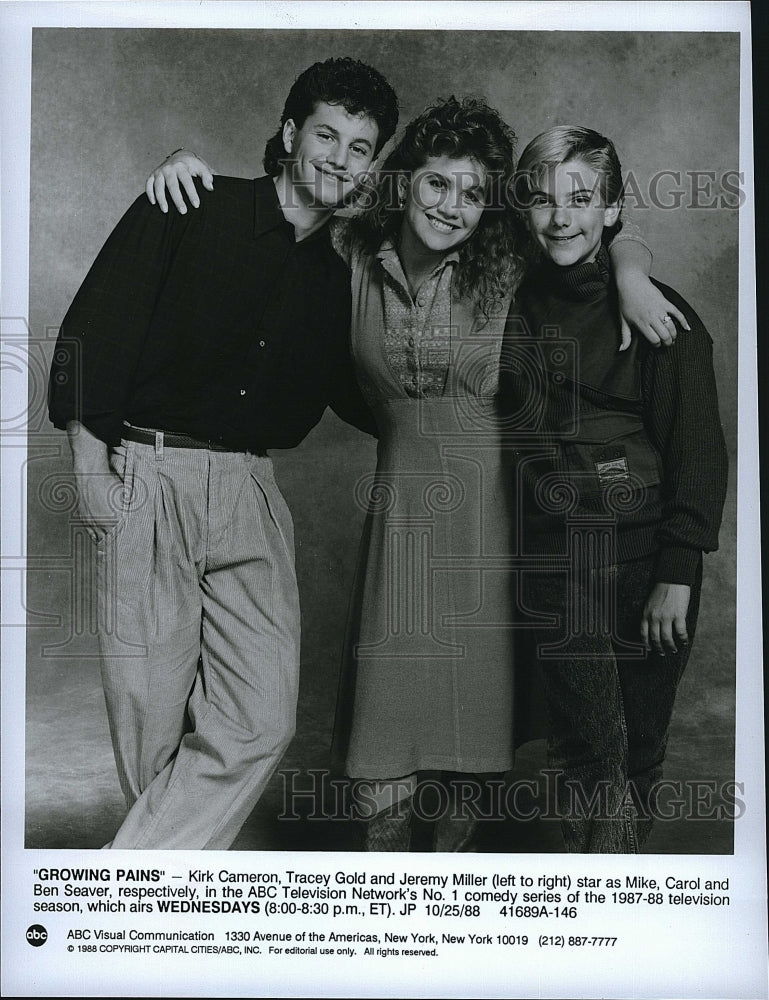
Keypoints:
(417, 331)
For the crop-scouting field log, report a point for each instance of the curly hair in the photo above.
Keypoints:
(489, 261)
(359, 88)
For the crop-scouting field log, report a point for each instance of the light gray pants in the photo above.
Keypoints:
(199, 634)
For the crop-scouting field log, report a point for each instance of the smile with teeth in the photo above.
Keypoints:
(442, 227)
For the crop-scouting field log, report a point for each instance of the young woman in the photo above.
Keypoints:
(428, 682)
(622, 484)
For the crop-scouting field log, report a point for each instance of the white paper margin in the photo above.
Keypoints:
(731, 957)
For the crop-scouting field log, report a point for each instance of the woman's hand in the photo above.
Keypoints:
(178, 169)
(643, 307)
(663, 624)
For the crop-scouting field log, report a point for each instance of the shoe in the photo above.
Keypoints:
(389, 830)
(455, 835)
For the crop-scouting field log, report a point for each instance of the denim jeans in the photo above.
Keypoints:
(609, 701)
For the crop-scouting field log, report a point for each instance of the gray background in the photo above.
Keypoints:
(108, 104)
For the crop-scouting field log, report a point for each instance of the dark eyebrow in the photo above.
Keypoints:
(330, 128)
(572, 194)
(480, 186)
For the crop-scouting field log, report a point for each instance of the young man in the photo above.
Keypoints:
(195, 344)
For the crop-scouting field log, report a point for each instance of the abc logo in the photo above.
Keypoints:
(36, 935)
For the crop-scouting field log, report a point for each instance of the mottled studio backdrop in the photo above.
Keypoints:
(109, 104)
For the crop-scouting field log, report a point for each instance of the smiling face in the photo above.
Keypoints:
(444, 202)
(567, 213)
(329, 154)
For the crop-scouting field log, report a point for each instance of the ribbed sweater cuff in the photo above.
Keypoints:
(677, 565)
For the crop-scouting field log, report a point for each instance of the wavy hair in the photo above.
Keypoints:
(489, 261)
(357, 87)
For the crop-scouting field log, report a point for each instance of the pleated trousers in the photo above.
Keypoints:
(199, 637)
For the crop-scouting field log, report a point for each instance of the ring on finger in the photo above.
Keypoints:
(666, 319)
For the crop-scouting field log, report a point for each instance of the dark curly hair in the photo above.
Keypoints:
(490, 260)
(359, 88)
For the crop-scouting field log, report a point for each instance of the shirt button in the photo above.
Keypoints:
(411, 341)
(421, 300)
(262, 343)
(242, 392)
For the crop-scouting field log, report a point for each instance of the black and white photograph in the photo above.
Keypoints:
(379, 445)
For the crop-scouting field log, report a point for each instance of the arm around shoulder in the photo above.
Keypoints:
(175, 176)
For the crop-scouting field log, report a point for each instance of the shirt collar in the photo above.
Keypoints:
(268, 214)
(388, 257)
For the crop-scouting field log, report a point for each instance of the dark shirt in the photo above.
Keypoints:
(636, 434)
(216, 324)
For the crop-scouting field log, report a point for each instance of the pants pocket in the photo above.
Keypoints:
(277, 511)
(612, 449)
(121, 463)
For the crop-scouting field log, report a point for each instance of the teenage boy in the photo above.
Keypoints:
(621, 482)
(194, 345)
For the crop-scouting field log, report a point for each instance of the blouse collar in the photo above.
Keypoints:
(387, 255)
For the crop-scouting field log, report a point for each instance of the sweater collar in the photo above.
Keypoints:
(579, 281)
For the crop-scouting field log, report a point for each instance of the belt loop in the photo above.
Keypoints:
(158, 446)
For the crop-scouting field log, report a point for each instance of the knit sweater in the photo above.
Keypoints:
(632, 439)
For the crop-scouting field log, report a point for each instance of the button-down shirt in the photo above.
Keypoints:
(216, 324)
(418, 331)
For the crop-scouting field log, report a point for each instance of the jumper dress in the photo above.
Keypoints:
(427, 682)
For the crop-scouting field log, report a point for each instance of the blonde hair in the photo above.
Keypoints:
(561, 144)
